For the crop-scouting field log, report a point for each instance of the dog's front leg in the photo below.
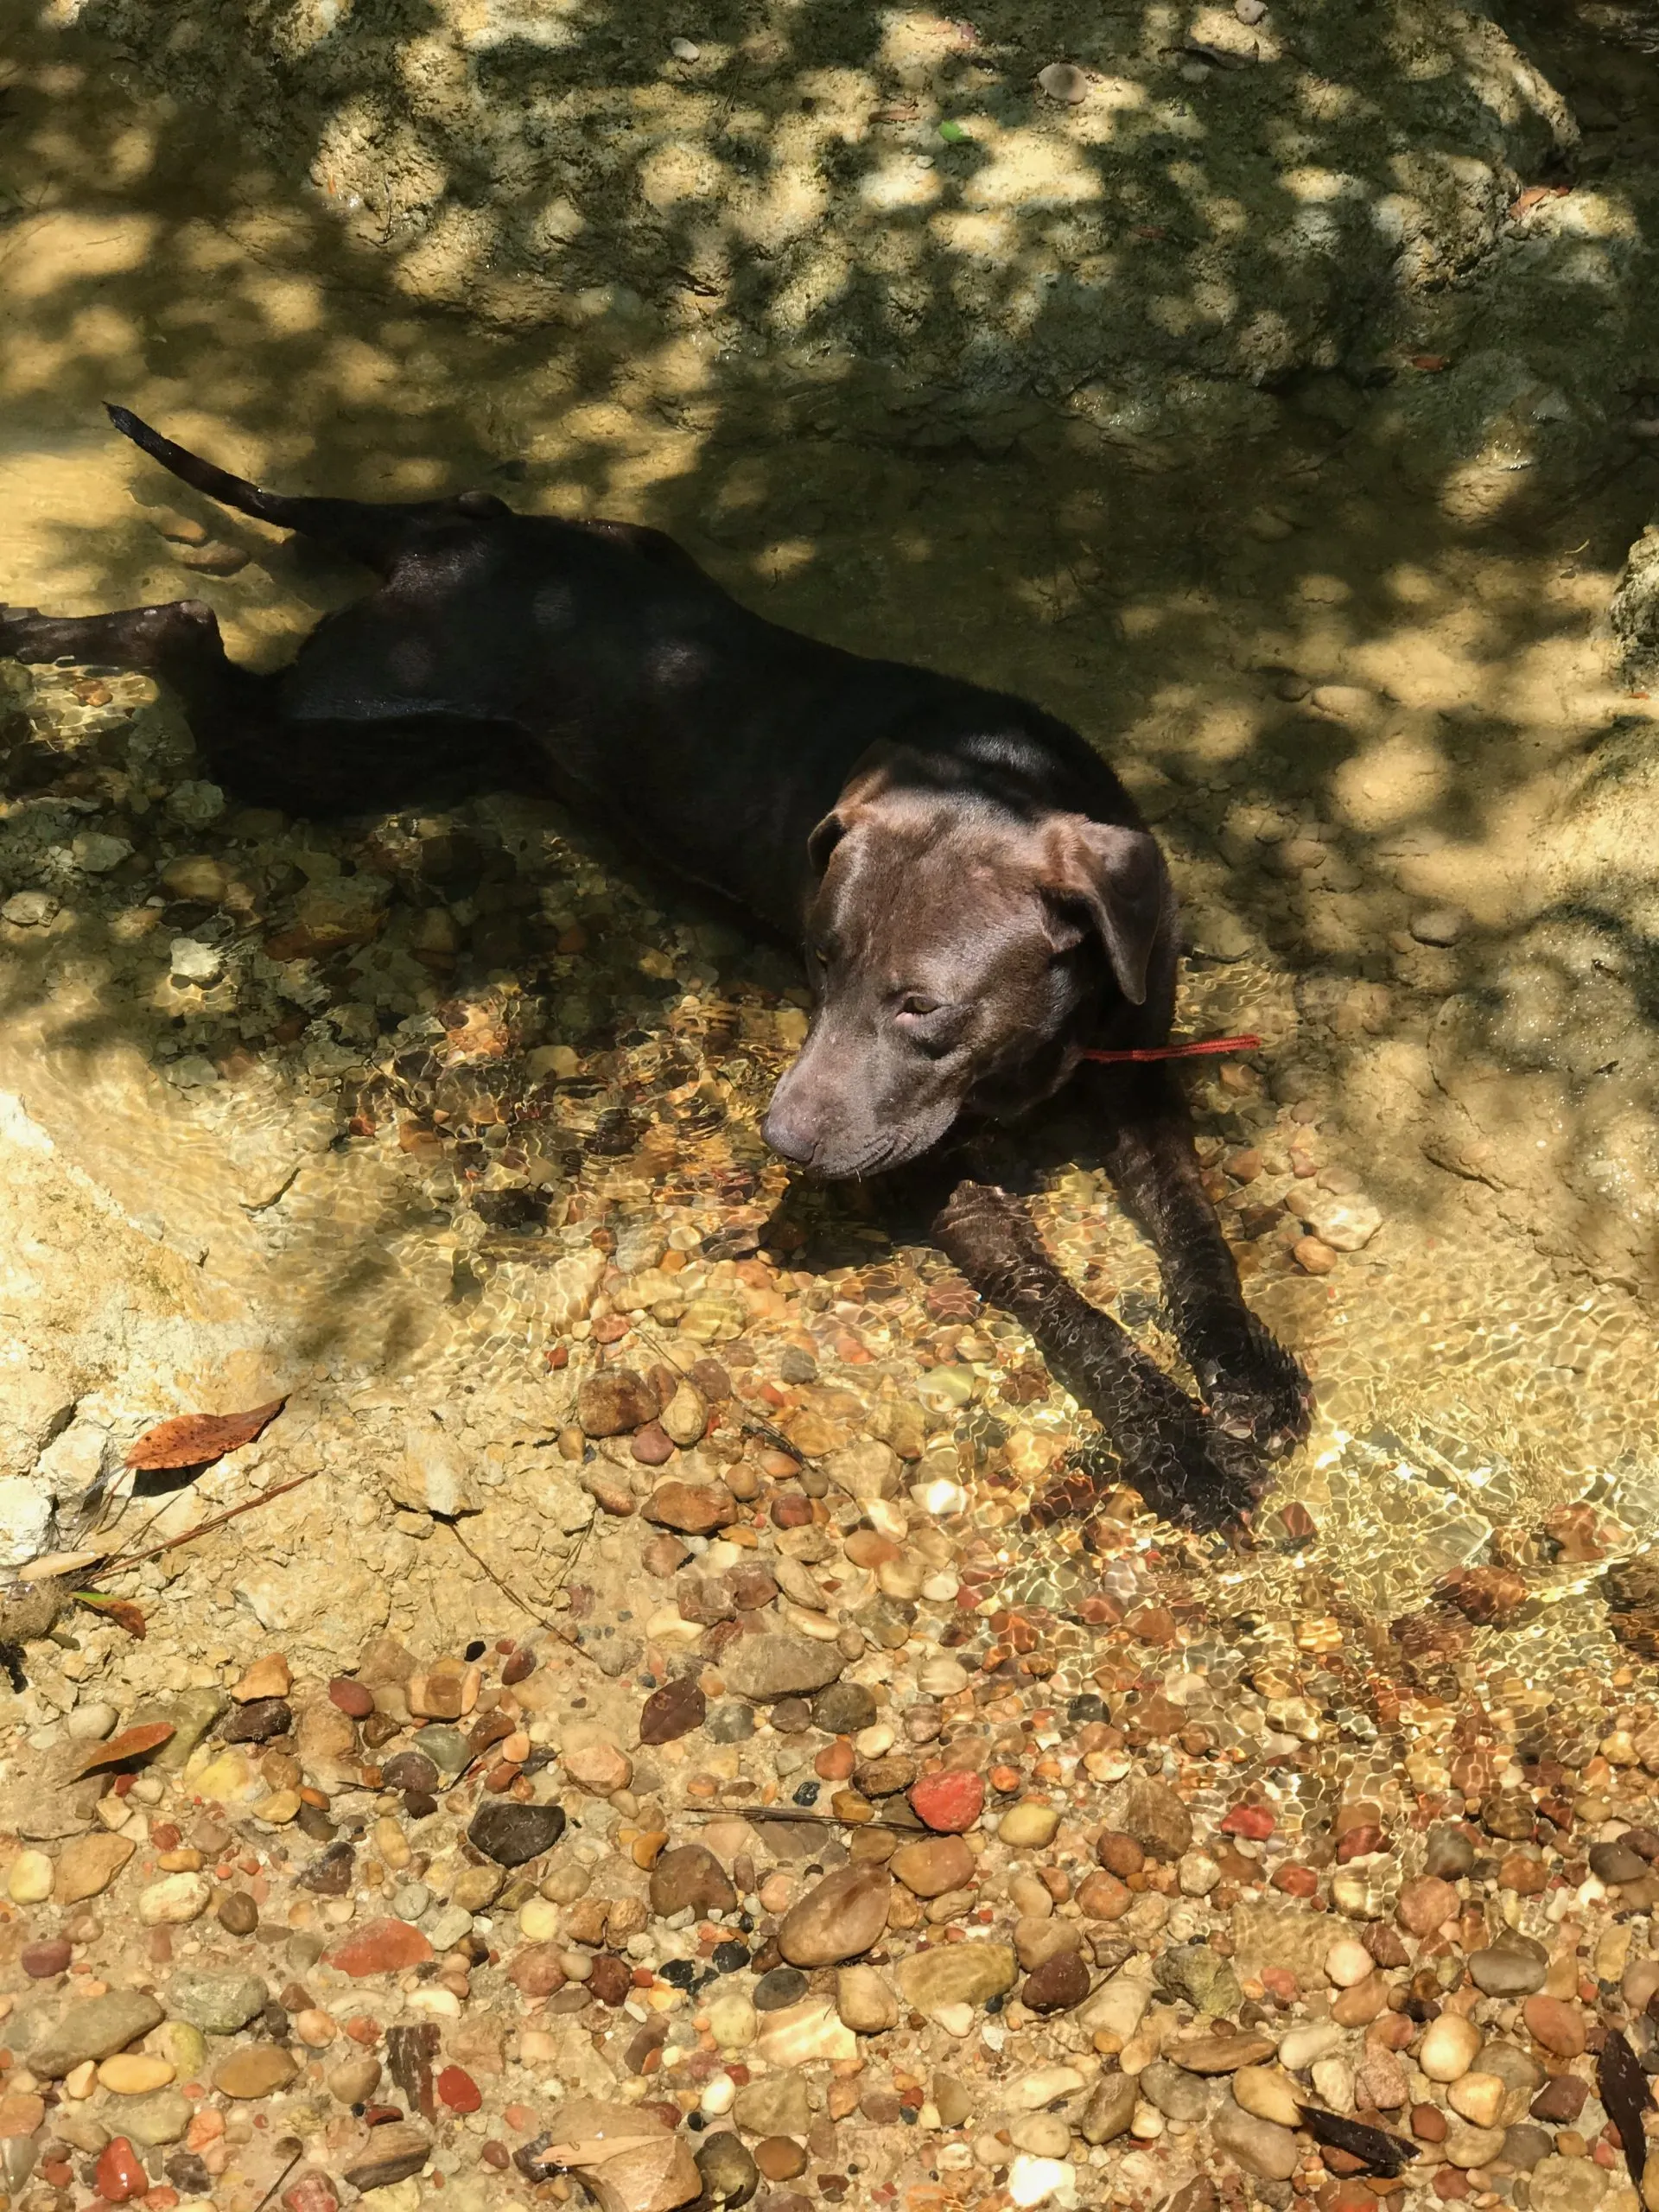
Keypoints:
(1256, 1391)
(1166, 1449)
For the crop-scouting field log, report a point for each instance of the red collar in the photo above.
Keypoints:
(1182, 1052)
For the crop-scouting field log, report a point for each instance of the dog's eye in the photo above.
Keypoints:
(920, 1004)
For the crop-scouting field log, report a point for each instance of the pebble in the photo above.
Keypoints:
(842, 1917)
(690, 1875)
(865, 2000)
(162, 2117)
(1250, 11)
(175, 1901)
(1466, 2147)
(729, 2174)
(960, 1974)
(94, 2029)
(600, 1767)
(380, 1947)
(1064, 82)
(1260, 2147)
(1450, 2047)
(1154, 1817)
(1426, 1905)
(1268, 2093)
(1029, 1825)
(771, 1665)
(267, 1677)
(218, 2004)
(29, 1880)
(949, 1801)
(512, 1834)
(1478, 2097)
(1507, 1970)
(1346, 1221)
(1560, 2028)
(1439, 925)
(932, 1868)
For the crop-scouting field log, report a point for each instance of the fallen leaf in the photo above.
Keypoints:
(1525, 201)
(121, 1610)
(130, 1743)
(952, 133)
(192, 1440)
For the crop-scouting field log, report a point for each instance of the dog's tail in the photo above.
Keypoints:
(351, 527)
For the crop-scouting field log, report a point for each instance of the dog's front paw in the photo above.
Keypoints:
(1173, 1458)
(1257, 1393)
(995, 1242)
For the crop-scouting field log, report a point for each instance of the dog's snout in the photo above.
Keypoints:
(789, 1135)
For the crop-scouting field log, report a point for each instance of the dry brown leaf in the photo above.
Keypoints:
(130, 1743)
(192, 1440)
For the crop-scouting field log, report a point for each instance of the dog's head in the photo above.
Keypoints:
(960, 949)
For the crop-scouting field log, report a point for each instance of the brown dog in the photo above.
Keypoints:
(981, 901)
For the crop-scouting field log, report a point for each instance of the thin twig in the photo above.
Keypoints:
(203, 1527)
(505, 1588)
(757, 1424)
(753, 1812)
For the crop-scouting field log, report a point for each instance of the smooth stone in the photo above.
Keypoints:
(690, 1875)
(134, 2074)
(777, 2105)
(1061, 1983)
(841, 1917)
(865, 2001)
(770, 1666)
(1450, 1854)
(1270, 2094)
(1158, 1820)
(1561, 2029)
(1261, 2147)
(1439, 925)
(512, 1834)
(1466, 2147)
(1029, 1825)
(1450, 2047)
(804, 2033)
(1558, 2184)
(957, 1974)
(1478, 2097)
(96, 2028)
(731, 2020)
(151, 2121)
(931, 1868)
(218, 2004)
(175, 1901)
(1507, 1970)
(1303, 2047)
(29, 1881)
(258, 2071)
(782, 1986)
(844, 1709)
(1176, 2094)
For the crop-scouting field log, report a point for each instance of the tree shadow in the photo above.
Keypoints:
(934, 366)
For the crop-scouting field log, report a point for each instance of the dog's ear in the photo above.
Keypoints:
(1112, 880)
(823, 841)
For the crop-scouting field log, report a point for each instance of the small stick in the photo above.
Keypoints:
(753, 1812)
(505, 1588)
(756, 1424)
(202, 1527)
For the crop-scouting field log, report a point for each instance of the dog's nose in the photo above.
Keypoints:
(788, 1137)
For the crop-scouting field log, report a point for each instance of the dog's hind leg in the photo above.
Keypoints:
(178, 642)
